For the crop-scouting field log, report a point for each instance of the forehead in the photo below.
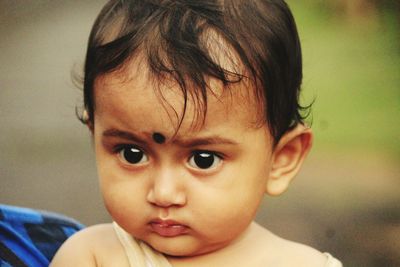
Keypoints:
(133, 92)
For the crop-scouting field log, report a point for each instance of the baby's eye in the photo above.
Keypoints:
(132, 155)
(204, 160)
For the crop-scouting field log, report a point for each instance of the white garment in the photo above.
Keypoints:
(138, 252)
(332, 262)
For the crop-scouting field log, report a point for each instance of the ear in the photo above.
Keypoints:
(287, 158)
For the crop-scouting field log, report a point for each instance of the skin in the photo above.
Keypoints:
(216, 205)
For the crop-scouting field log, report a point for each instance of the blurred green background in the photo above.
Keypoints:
(352, 68)
(344, 201)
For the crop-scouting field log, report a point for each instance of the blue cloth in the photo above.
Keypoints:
(30, 237)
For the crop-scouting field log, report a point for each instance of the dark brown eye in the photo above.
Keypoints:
(132, 155)
(204, 160)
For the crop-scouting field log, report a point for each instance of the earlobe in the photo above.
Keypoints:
(288, 157)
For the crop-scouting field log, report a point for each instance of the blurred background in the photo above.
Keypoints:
(346, 199)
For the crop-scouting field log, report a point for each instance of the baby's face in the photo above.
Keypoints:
(192, 193)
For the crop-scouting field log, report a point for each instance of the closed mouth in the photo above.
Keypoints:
(168, 228)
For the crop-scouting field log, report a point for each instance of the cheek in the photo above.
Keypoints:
(225, 214)
(125, 205)
(229, 205)
(122, 194)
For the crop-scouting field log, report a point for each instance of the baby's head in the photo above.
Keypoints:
(190, 42)
(195, 115)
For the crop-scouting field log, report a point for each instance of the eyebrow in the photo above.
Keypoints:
(123, 135)
(201, 141)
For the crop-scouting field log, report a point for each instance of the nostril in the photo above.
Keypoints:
(165, 199)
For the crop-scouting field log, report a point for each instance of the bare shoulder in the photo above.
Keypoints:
(289, 253)
(296, 254)
(89, 247)
(303, 255)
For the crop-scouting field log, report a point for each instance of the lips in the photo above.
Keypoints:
(168, 228)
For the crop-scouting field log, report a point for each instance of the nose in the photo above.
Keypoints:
(167, 189)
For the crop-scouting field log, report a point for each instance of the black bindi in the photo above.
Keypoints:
(158, 138)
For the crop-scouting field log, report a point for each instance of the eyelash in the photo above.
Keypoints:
(118, 148)
(199, 151)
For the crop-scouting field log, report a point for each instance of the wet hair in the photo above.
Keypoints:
(174, 38)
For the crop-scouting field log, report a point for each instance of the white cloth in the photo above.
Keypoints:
(139, 253)
(332, 262)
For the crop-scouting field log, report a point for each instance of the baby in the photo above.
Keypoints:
(193, 107)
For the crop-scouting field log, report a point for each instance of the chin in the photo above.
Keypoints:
(180, 248)
(173, 249)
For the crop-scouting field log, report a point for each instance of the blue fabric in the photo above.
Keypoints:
(30, 237)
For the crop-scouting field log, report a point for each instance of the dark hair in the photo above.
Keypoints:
(170, 34)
